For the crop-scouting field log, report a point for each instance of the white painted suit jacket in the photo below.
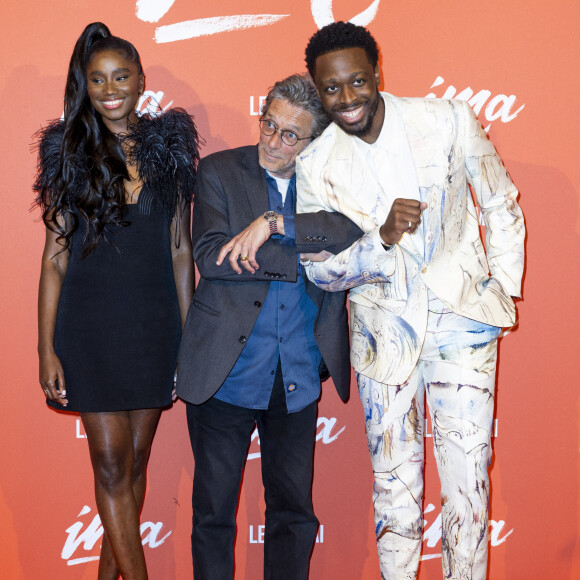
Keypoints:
(388, 289)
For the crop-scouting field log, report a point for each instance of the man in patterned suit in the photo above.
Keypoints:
(427, 304)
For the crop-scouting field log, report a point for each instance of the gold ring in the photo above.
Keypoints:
(244, 258)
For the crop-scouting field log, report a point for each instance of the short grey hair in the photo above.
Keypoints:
(299, 90)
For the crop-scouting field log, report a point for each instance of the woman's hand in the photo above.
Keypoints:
(52, 378)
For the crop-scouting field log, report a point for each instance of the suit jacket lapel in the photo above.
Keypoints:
(427, 143)
(359, 196)
(254, 180)
(354, 190)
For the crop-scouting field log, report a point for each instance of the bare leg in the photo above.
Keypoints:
(120, 444)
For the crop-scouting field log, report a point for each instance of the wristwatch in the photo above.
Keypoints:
(272, 218)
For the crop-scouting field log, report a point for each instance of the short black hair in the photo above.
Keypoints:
(337, 36)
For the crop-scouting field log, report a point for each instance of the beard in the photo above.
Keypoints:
(361, 130)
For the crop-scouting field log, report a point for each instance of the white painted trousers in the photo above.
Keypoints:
(456, 371)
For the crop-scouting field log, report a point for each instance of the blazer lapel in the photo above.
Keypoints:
(353, 190)
(254, 180)
(428, 153)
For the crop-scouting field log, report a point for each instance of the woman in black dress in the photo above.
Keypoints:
(117, 274)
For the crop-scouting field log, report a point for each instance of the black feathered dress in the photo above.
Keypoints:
(118, 324)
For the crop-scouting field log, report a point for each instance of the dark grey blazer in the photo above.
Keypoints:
(231, 192)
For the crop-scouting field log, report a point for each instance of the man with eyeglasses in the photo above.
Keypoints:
(260, 337)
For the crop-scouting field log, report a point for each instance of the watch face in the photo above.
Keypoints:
(270, 216)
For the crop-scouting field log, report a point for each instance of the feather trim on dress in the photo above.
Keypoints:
(164, 148)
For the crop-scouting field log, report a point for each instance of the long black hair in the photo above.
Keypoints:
(88, 147)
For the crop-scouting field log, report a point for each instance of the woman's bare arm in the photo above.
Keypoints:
(52, 273)
(182, 256)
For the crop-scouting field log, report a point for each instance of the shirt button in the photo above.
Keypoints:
(279, 208)
(291, 387)
(280, 339)
(242, 339)
(272, 372)
(257, 304)
(282, 306)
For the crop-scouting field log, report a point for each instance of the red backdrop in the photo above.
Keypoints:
(516, 62)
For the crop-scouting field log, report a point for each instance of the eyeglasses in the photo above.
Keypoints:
(290, 138)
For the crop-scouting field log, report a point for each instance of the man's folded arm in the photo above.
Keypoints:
(364, 261)
(211, 230)
(324, 230)
(367, 261)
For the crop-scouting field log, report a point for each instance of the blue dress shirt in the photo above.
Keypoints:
(284, 330)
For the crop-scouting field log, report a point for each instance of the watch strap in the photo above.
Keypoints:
(272, 218)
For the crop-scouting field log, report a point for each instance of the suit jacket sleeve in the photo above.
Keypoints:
(363, 262)
(496, 196)
(324, 230)
(214, 225)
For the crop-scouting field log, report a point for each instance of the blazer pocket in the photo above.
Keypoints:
(204, 307)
